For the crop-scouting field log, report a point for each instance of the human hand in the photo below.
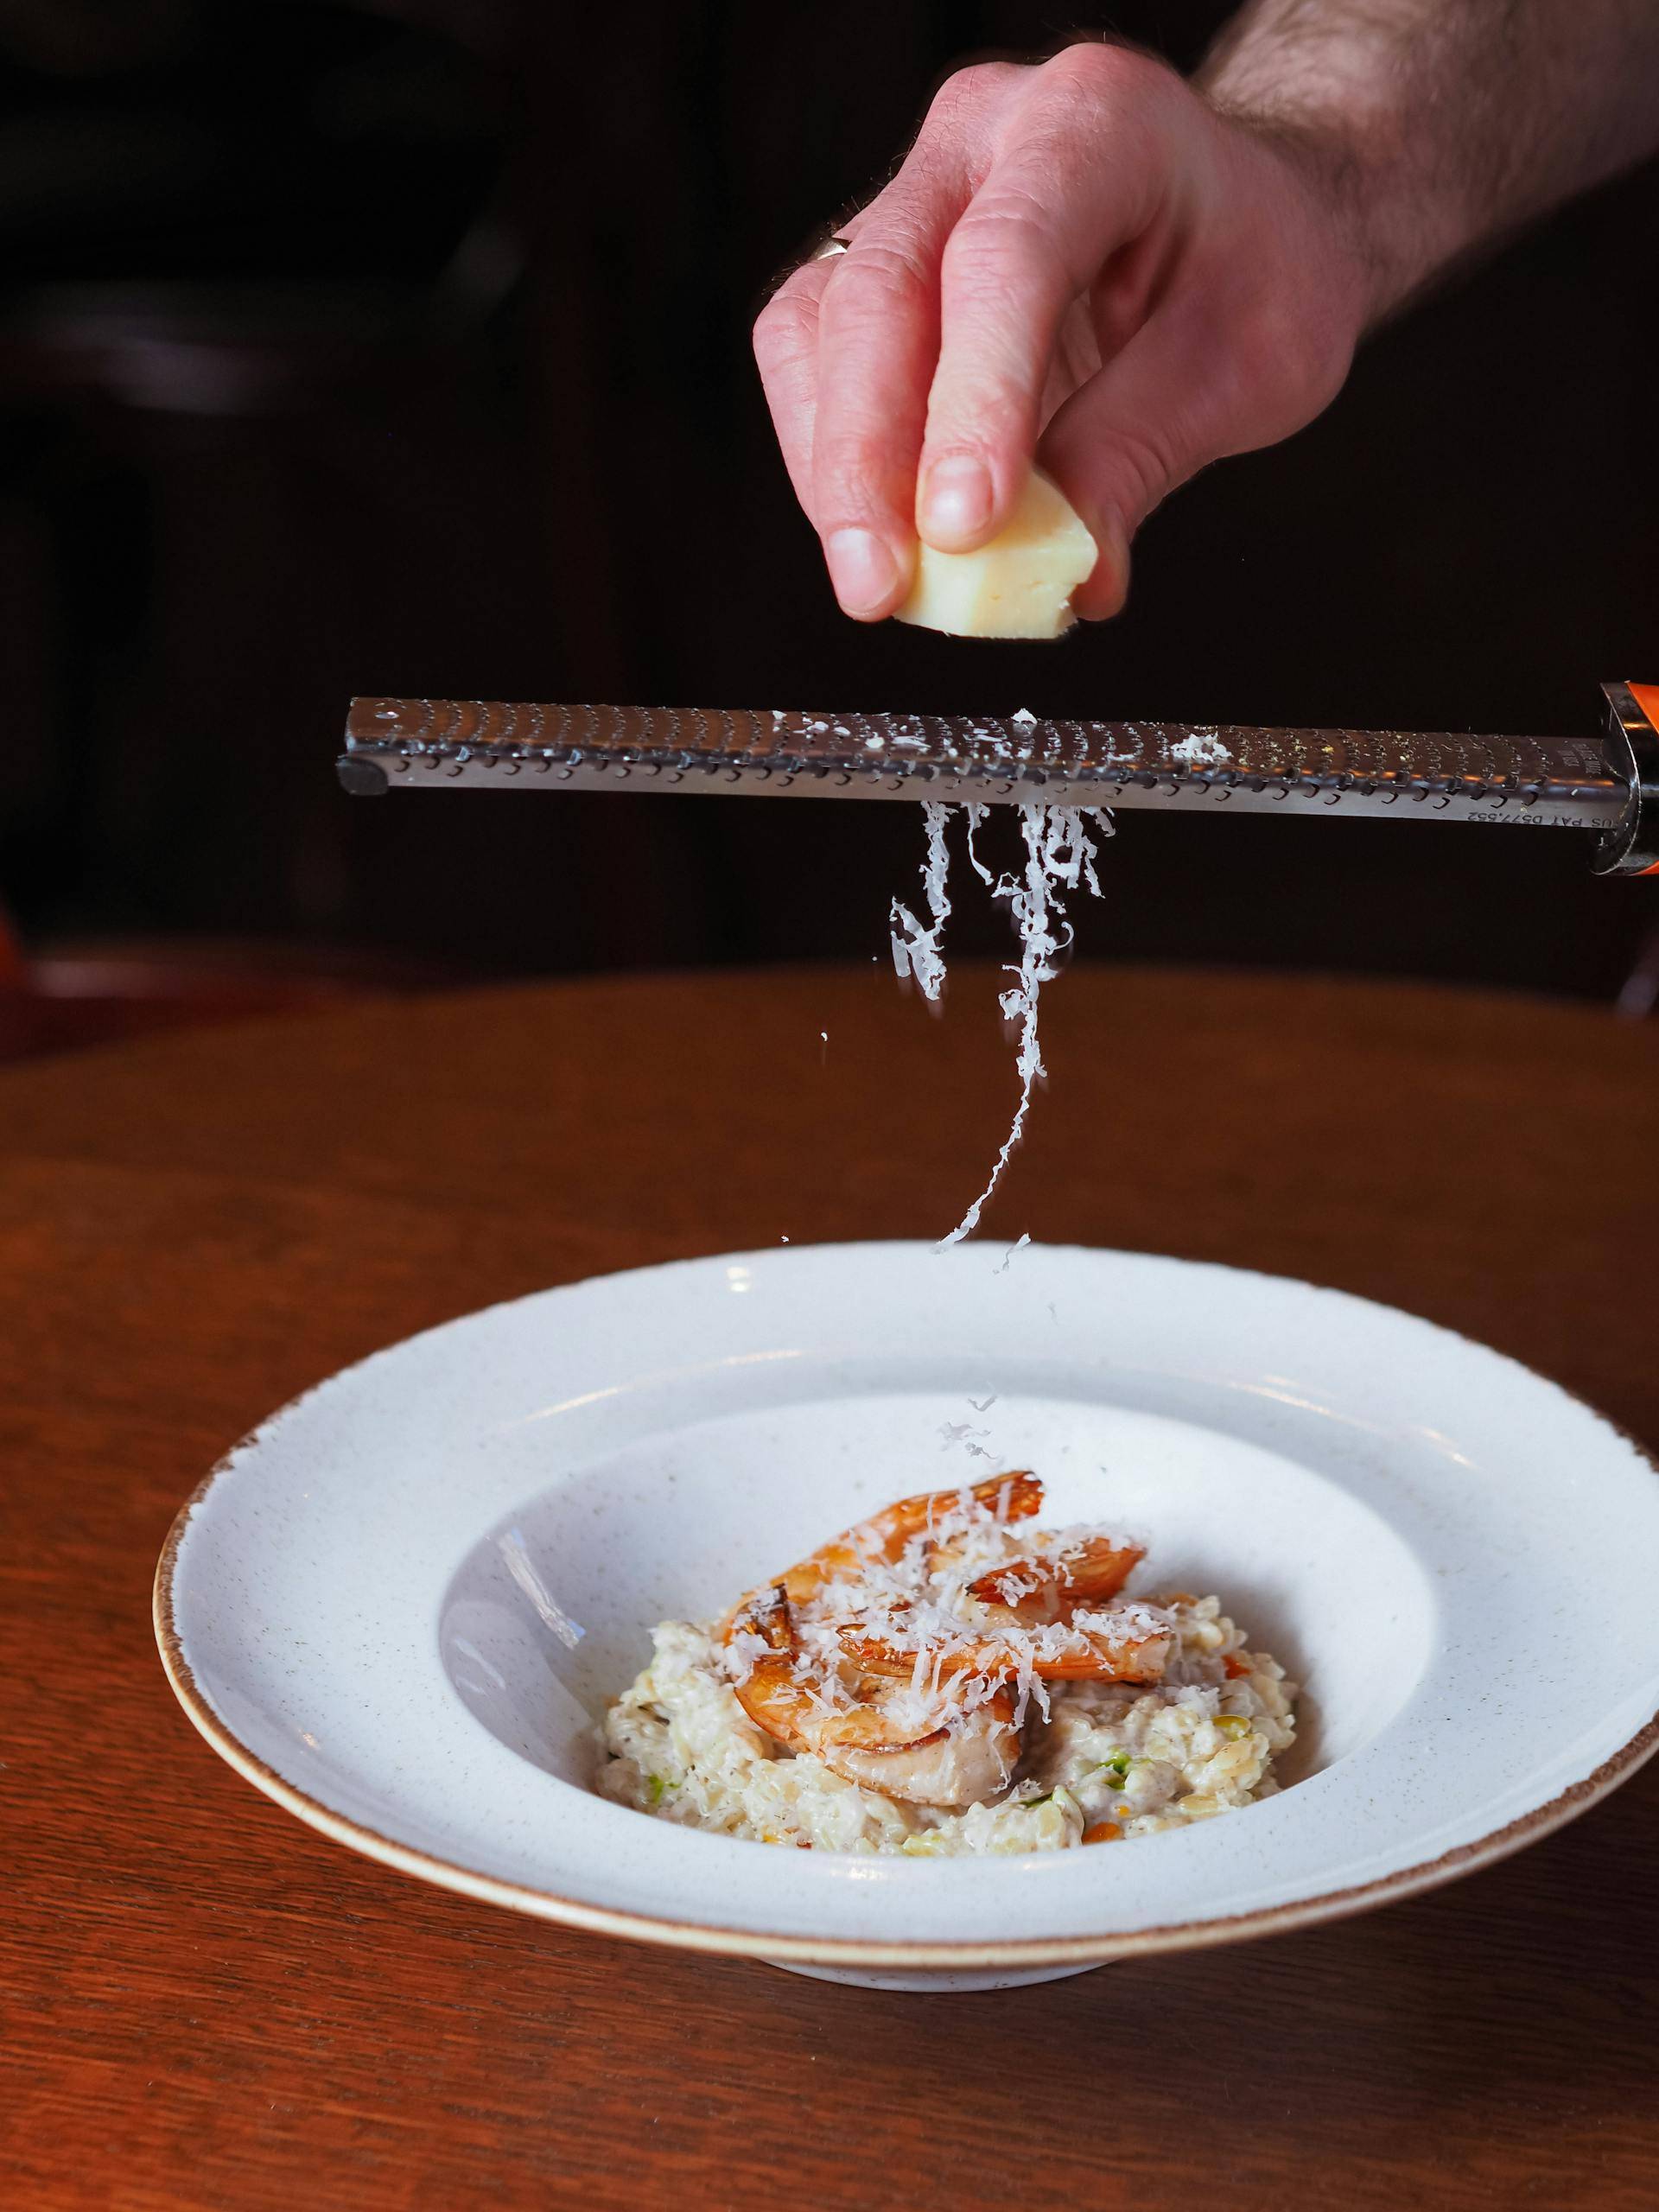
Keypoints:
(1083, 263)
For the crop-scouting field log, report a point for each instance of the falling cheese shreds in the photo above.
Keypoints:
(963, 1433)
(976, 812)
(1061, 855)
(918, 950)
(1059, 858)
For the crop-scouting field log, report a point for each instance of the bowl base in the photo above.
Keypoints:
(942, 1980)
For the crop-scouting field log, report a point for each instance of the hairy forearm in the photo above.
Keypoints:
(1440, 124)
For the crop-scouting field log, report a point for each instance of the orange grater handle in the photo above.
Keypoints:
(1632, 734)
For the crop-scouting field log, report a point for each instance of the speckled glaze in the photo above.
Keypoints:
(399, 1606)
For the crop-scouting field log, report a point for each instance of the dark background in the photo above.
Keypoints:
(403, 349)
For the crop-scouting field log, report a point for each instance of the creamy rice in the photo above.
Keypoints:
(1110, 1760)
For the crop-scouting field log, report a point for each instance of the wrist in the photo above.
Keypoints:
(1353, 160)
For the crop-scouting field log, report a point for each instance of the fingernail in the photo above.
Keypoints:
(956, 501)
(1107, 591)
(861, 568)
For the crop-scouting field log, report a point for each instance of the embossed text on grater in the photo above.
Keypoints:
(1563, 782)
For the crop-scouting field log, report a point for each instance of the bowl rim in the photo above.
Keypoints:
(845, 1951)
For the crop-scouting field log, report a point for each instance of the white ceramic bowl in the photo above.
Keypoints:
(369, 1607)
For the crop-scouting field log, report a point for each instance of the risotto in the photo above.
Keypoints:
(943, 1682)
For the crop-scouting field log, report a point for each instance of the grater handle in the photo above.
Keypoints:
(1632, 847)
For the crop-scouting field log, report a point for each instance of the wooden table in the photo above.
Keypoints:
(208, 2005)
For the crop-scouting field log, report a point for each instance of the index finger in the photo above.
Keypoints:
(878, 342)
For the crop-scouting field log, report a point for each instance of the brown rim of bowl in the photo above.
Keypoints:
(836, 1951)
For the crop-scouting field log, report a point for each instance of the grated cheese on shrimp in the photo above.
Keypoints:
(1193, 1733)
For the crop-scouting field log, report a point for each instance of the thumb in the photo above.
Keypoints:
(1149, 420)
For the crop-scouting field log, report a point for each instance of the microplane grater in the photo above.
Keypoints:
(1608, 784)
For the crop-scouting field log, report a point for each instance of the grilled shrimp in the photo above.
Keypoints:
(1133, 1646)
(962, 1766)
(1036, 1591)
(880, 1737)
(884, 1536)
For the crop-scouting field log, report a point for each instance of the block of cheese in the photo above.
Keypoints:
(1019, 585)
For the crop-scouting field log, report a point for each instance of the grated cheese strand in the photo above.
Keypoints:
(1060, 857)
(975, 811)
(919, 950)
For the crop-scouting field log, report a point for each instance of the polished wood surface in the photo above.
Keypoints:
(204, 2005)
